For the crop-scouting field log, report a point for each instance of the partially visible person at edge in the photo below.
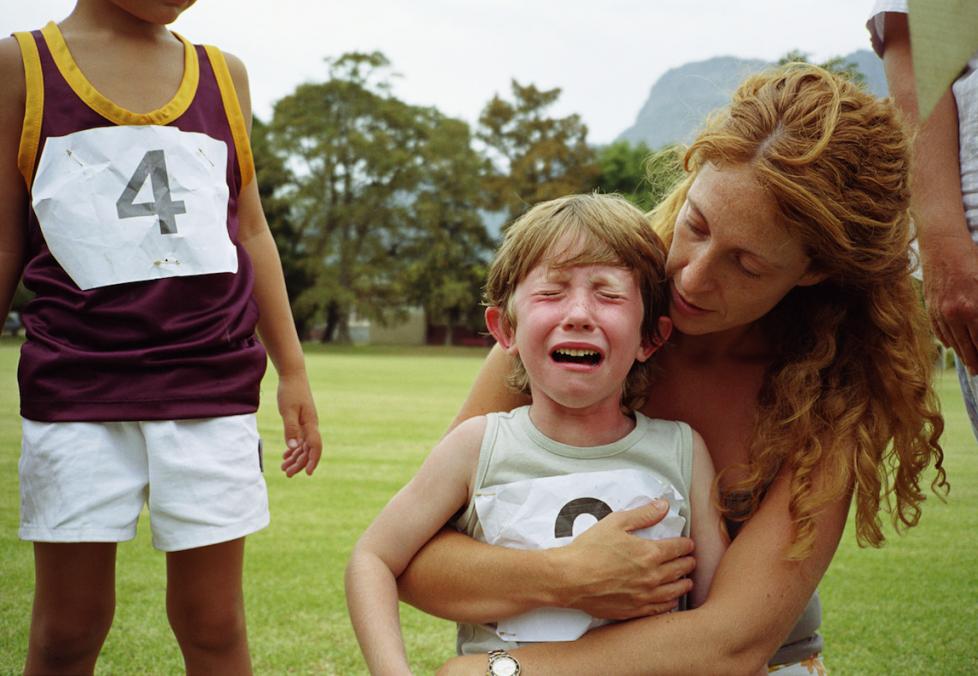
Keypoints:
(800, 352)
(139, 378)
(944, 199)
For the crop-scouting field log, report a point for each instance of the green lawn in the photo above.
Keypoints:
(909, 608)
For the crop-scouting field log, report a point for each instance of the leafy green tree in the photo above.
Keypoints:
(354, 154)
(663, 170)
(836, 64)
(534, 157)
(642, 176)
(274, 178)
(448, 253)
(21, 298)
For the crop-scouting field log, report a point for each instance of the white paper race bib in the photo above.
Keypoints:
(551, 512)
(131, 203)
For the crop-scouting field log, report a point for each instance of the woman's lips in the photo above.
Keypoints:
(684, 305)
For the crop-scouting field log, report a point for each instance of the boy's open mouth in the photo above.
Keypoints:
(576, 356)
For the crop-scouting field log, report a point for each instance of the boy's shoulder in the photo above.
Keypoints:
(10, 59)
(239, 76)
(457, 454)
(235, 65)
(12, 76)
(469, 432)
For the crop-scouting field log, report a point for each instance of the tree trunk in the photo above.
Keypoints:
(454, 314)
(343, 329)
(332, 318)
(300, 328)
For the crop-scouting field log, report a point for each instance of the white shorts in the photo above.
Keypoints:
(87, 482)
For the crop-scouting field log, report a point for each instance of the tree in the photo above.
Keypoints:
(533, 157)
(836, 64)
(640, 175)
(353, 151)
(663, 170)
(274, 179)
(447, 257)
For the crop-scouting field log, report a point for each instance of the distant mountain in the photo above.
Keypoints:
(681, 99)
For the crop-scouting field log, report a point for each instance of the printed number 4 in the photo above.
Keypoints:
(153, 166)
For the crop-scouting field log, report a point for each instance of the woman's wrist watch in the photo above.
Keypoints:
(501, 663)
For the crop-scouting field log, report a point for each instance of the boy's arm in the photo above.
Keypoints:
(948, 256)
(275, 324)
(409, 520)
(13, 193)
(707, 530)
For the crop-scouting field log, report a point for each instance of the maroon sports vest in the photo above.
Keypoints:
(171, 348)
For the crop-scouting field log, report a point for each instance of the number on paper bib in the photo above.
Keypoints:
(122, 204)
(152, 166)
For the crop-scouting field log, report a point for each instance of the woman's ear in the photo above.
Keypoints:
(500, 328)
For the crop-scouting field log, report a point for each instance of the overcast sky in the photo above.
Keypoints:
(455, 54)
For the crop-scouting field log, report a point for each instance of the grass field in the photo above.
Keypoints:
(908, 608)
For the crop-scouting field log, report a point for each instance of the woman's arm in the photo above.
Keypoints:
(606, 572)
(489, 392)
(754, 601)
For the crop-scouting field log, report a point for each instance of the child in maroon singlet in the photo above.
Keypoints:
(128, 205)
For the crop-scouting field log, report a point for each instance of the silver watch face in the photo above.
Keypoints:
(504, 665)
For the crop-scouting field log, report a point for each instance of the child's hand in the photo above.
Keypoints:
(303, 445)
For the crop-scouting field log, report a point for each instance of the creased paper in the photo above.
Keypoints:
(552, 511)
(130, 203)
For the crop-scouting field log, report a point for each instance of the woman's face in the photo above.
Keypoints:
(731, 259)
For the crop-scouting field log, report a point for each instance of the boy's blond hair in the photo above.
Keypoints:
(606, 230)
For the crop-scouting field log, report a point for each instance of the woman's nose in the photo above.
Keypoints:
(697, 275)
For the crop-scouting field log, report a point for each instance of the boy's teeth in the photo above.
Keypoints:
(576, 356)
(576, 353)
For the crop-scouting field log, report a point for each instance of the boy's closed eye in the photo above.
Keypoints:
(548, 292)
(611, 294)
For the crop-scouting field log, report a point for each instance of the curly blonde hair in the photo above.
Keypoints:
(603, 230)
(848, 392)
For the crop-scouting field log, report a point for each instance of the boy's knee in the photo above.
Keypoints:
(65, 638)
(213, 629)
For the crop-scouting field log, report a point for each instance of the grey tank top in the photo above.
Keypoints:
(513, 449)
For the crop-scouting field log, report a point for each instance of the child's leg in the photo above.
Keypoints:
(206, 493)
(206, 607)
(82, 486)
(74, 600)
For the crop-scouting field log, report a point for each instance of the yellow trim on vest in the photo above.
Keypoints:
(232, 108)
(30, 133)
(95, 100)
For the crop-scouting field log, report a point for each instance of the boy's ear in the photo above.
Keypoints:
(812, 278)
(650, 345)
(499, 327)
